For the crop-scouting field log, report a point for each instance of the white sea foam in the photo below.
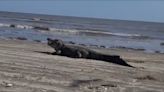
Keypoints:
(4, 25)
(93, 32)
(24, 27)
(70, 31)
(16, 25)
(110, 33)
(74, 31)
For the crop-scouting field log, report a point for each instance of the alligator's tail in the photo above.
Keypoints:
(111, 58)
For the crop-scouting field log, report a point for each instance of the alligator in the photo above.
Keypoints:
(75, 51)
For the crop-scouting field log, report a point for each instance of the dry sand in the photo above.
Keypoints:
(23, 68)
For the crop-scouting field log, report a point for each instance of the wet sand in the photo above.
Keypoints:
(25, 68)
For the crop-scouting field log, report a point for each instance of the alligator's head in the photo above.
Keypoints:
(55, 43)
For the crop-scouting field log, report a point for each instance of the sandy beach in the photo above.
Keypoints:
(25, 68)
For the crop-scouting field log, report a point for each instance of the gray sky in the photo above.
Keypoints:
(143, 10)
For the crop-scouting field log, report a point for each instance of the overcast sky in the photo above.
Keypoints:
(143, 10)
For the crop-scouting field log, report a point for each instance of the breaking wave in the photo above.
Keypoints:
(77, 32)
(101, 33)
(110, 33)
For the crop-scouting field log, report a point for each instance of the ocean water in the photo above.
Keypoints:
(146, 36)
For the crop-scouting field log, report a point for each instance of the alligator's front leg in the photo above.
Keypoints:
(57, 52)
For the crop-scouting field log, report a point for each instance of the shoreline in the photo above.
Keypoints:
(25, 67)
(43, 32)
(90, 45)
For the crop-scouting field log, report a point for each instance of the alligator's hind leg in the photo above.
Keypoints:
(78, 54)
